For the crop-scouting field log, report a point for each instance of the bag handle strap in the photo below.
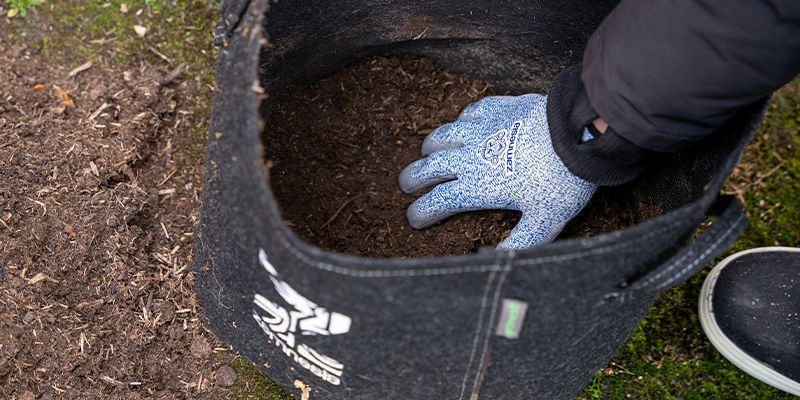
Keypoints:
(730, 223)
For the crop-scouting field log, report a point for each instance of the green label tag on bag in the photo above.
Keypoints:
(511, 317)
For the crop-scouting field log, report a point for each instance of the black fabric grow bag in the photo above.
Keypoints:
(425, 328)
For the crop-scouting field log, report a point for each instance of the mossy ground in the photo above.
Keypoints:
(177, 31)
(253, 384)
(668, 356)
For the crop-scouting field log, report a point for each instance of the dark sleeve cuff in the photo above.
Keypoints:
(607, 160)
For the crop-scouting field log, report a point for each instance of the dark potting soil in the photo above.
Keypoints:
(334, 150)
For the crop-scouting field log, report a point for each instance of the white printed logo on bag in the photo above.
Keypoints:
(304, 318)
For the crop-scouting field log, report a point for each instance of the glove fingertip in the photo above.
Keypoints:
(529, 232)
(429, 145)
(469, 112)
(438, 204)
(416, 219)
(408, 183)
(516, 243)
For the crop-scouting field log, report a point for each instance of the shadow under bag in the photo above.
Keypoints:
(537, 323)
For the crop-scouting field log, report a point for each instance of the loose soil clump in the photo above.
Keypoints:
(334, 150)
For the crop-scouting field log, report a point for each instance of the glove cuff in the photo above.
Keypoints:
(607, 160)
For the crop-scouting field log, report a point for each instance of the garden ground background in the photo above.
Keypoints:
(148, 194)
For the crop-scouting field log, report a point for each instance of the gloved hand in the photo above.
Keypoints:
(497, 155)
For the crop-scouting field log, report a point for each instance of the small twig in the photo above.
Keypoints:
(738, 191)
(623, 369)
(165, 231)
(94, 169)
(102, 40)
(336, 214)
(180, 69)
(761, 179)
(110, 380)
(163, 181)
(159, 54)
(98, 111)
(80, 68)
(21, 112)
(41, 277)
(40, 204)
(420, 35)
(485, 88)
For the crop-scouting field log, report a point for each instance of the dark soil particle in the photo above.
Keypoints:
(335, 148)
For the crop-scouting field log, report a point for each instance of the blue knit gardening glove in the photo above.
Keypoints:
(497, 155)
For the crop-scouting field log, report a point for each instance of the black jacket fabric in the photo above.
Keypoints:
(665, 74)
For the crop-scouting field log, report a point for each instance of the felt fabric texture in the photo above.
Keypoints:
(423, 328)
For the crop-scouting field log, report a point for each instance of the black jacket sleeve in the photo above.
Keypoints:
(665, 74)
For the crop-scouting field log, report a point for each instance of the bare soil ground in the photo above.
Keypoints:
(96, 232)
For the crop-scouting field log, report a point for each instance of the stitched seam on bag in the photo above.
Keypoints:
(393, 273)
(454, 270)
(488, 334)
(600, 250)
(705, 253)
(389, 273)
(679, 261)
(475, 338)
(666, 270)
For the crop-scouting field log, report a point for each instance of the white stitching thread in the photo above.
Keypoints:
(665, 270)
(477, 333)
(389, 273)
(488, 332)
(392, 273)
(597, 251)
(679, 261)
(702, 256)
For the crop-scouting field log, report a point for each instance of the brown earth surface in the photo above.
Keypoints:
(334, 150)
(96, 231)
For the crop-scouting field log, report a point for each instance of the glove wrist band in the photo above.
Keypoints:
(607, 160)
